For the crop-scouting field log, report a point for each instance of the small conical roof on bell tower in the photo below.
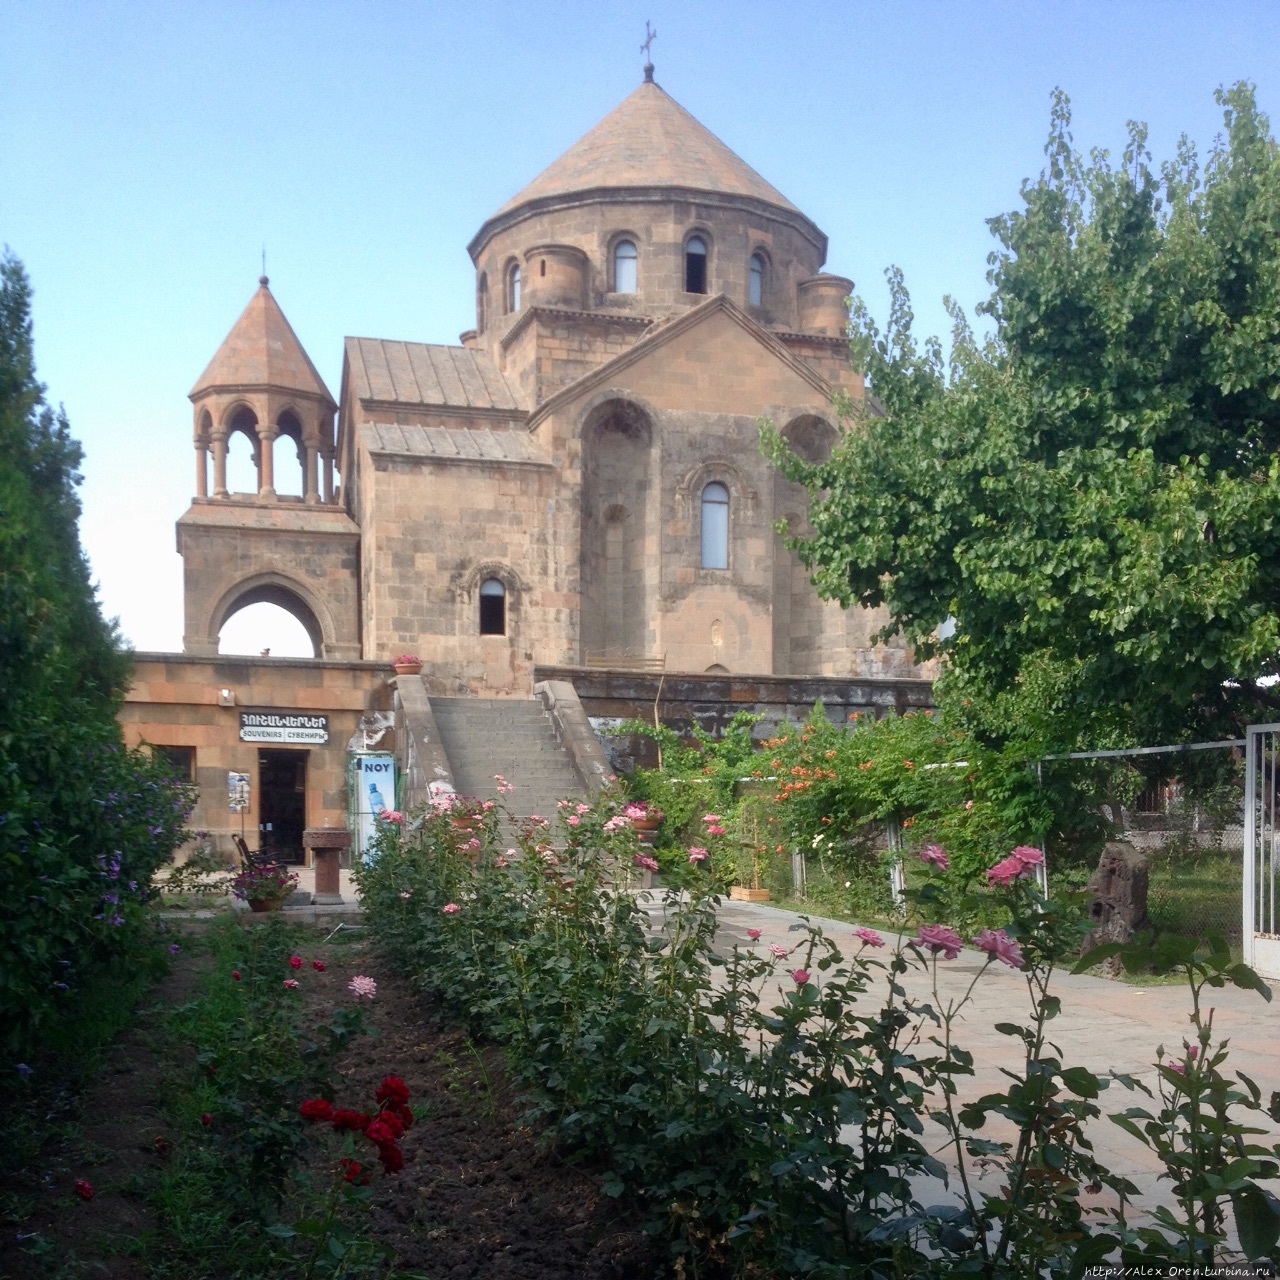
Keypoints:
(262, 351)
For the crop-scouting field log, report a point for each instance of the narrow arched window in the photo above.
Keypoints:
(625, 260)
(513, 287)
(695, 265)
(715, 526)
(482, 302)
(755, 280)
(493, 608)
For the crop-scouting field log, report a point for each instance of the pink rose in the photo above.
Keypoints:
(697, 854)
(938, 938)
(780, 952)
(1028, 856)
(573, 820)
(999, 946)
(754, 934)
(291, 984)
(712, 818)
(715, 831)
(935, 854)
(1006, 872)
(800, 976)
(869, 937)
(451, 908)
(645, 861)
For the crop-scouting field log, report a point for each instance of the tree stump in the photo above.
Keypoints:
(1117, 900)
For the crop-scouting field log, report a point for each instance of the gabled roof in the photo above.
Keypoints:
(649, 140)
(452, 444)
(262, 350)
(660, 335)
(422, 373)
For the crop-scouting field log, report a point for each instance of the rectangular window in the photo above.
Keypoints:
(182, 759)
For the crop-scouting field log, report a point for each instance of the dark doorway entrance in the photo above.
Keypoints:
(282, 803)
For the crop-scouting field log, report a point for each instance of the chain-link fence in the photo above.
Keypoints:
(1193, 840)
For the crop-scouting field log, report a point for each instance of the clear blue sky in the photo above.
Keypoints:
(149, 150)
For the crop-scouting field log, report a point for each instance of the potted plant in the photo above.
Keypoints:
(407, 664)
(264, 887)
(748, 888)
(644, 814)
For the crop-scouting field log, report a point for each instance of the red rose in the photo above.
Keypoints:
(393, 1090)
(318, 965)
(392, 1158)
(385, 1130)
(206, 1119)
(316, 1109)
(84, 1189)
(344, 1118)
(235, 973)
(162, 1145)
(353, 1171)
(404, 1114)
(295, 962)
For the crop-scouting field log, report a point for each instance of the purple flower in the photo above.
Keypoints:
(174, 948)
(24, 1071)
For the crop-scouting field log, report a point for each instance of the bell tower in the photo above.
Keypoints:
(262, 383)
(298, 552)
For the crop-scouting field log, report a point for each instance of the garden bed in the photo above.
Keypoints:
(476, 1198)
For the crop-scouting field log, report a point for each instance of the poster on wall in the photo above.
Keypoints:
(238, 792)
(371, 781)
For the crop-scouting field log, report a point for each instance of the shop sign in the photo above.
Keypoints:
(284, 726)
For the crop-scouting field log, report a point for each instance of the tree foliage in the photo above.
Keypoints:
(83, 823)
(1092, 492)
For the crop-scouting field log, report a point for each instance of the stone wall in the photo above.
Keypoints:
(612, 697)
(177, 700)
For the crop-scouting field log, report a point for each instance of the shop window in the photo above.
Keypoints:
(493, 608)
(181, 759)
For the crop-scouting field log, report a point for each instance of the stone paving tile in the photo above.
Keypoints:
(1104, 1025)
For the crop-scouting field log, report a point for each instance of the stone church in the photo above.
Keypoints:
(579, 481)
(573, 498)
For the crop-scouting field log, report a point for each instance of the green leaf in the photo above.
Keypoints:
(1081, 1082)
(1096, 956)
(1257, 1221)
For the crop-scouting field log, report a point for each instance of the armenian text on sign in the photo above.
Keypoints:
(284, 726)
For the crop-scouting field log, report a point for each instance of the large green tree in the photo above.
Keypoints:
(1092, 492)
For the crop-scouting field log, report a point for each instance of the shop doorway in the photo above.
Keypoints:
(282, 803)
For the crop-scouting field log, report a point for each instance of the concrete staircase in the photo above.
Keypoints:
(486, 736)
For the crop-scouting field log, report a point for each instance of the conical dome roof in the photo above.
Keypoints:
(649, 140)
(262, 350)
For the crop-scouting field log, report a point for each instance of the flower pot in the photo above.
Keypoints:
(407, 668)
(646, 824)
(740, 893)
(265, 904)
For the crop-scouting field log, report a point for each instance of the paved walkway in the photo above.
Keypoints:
(1104, 1025)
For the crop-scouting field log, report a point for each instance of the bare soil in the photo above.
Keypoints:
(477, 1198)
